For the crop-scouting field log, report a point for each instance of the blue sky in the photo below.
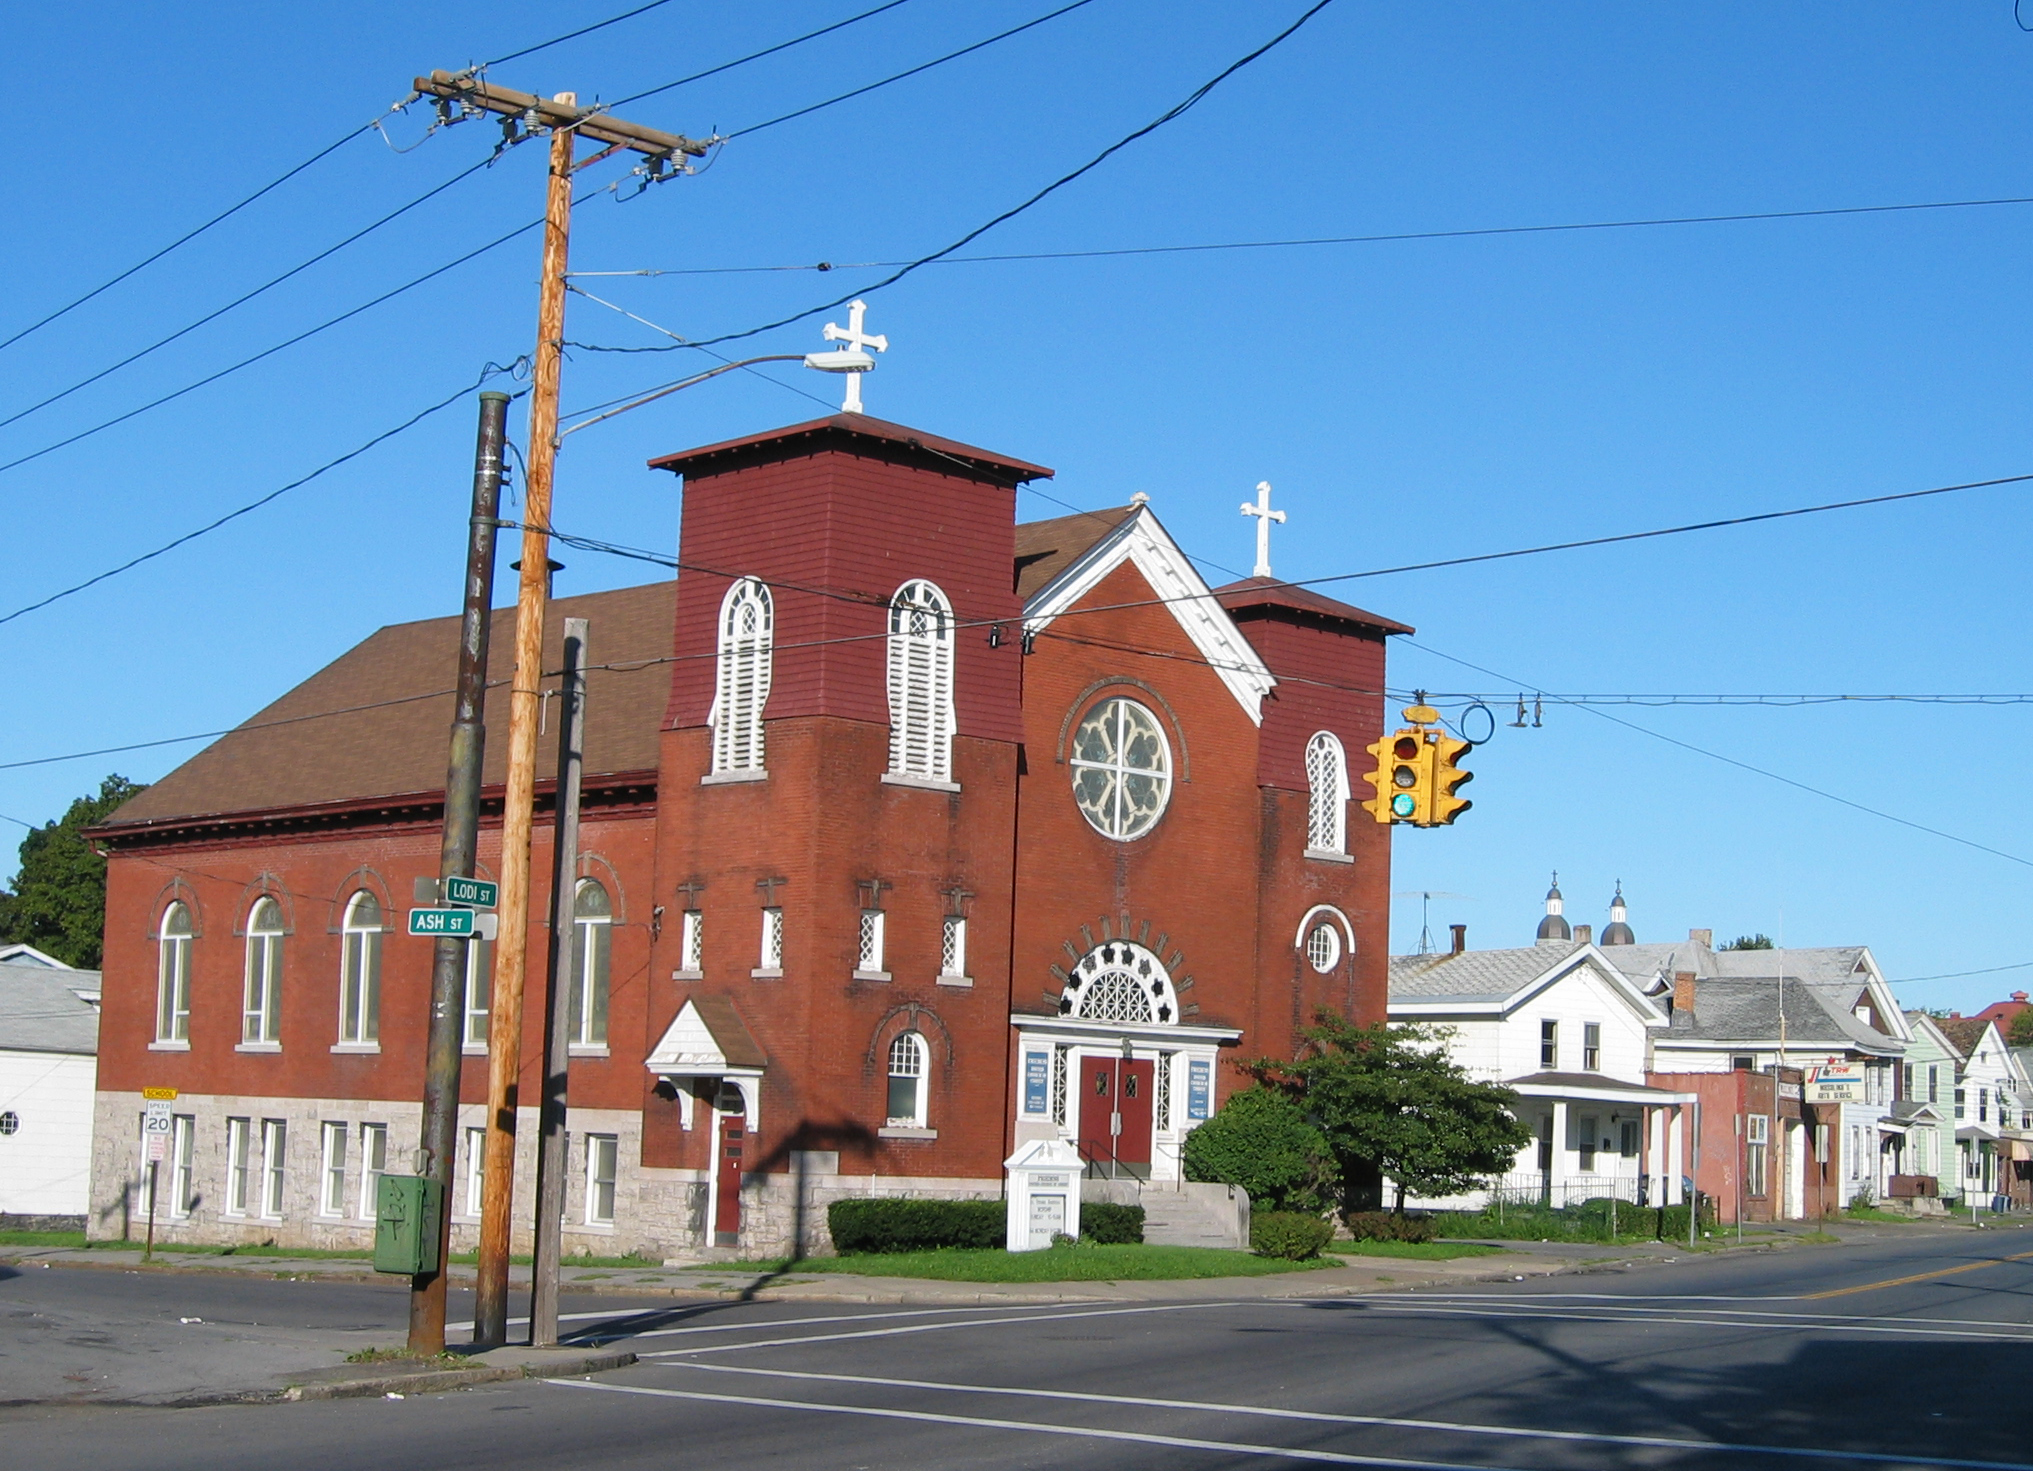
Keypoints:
(1409, 400)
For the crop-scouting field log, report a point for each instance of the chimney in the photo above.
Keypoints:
(1584, 934)
(1704, 938)
(2018, 995)
(1460, 932)
(1683, 991)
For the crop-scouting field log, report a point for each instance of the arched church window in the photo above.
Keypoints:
(261, 999)
(360, 971)
(921, 682)
(592, 936)
(1122, 768)
(741, 688)
(1327, 788)
(173, 976)
(907, 1081)
(1120, 982)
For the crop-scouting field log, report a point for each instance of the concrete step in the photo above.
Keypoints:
(1172, 1218)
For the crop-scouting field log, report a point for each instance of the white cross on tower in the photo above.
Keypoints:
(1261, 509)
(857, 341)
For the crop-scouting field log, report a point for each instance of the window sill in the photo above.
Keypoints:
(872, 975)
(359, 1047)
(767, 973)
(965, 983)
(161, 1046)
(596, 1228)
(729, 778)
(688, 975)
(899, 1131)
(1328, 855)
(922, 783)
(473, 1049)
(258, 1047)
(587, 1049)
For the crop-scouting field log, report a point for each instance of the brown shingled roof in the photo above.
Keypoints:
(1044, 549)
(1962, 1032)
(396, 690)
(1261, 592)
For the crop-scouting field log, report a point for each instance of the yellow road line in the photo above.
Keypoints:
(1917, 1277)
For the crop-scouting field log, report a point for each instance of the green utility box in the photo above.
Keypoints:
(408, 1221)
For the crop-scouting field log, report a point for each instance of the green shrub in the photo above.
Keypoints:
(1111, 1225)
(897, 1224)
(1390, 1226)
(1588, 1220)
(1261, 1141)
(1291, 1236)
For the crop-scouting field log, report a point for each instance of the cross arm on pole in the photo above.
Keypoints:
(589, 122)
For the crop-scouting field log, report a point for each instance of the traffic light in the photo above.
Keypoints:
(1415, 776)
(1448, 778)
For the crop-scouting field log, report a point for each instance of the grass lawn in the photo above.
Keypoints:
(1424, 1251)
(1058, 1264)
(1870, 1213)
(42, 1238)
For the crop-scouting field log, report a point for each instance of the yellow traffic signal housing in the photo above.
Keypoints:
(1415, 774)
(1449, 778)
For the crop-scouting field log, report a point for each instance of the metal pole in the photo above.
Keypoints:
(148, 1250)
(1693, 1171)
(511, 953)
(551, 1158)
(456, 858)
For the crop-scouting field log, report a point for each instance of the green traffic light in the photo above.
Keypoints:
(1404, 804)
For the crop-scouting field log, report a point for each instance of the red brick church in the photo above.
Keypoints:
(911, 834)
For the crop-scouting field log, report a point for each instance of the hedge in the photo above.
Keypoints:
(1390, 1226)
(893, 1223)
(1111, 1225)
(1292, 1236)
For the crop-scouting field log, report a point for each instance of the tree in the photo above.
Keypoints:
(2021, 1033)
(1390, 1101)
(1759, 941)
(1260, 1140)
(58, 902)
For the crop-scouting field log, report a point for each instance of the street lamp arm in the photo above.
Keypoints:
(777, 357)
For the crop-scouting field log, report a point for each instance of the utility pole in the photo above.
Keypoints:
(456, 857)
(566, 120)
(551, 1161)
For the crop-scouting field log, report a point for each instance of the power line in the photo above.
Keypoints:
(714, 71)
(1322, 240)
(911, 72)
(1170, 114)
(242, 300)
(187, 238)
(269, 352)
(256, 504)
(1746, 766)
(1954, 975)
(753, 372)
(599, 25)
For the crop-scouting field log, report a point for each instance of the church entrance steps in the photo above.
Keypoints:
(1187, 1213)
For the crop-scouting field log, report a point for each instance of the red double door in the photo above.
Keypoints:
(1115, 1114)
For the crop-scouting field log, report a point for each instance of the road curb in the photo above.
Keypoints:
(433, 1381)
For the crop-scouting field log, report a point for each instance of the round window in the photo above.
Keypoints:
(1122, 768)
(9, 1121)
(1323, 947)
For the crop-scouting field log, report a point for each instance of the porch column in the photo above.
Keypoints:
(1676, 1155)
(1655, 1153)
(1556, 1168)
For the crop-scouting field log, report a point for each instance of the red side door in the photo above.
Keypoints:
(1115, 1113)
(1097, 1108)
(1136, 1082)
(727, 1181)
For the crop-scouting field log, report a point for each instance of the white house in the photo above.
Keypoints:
(49, 1045)
(1570, 1033)
(1992, 1110)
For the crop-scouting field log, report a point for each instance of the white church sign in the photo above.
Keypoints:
(1043, 1194)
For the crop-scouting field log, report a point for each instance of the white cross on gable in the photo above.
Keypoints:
(1261, 509)
(857, 341)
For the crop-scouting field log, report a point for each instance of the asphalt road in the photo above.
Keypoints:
(1912, 1350)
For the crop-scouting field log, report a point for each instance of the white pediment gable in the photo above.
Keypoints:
(1589, 969)
(688, 1047)
(1142, 541)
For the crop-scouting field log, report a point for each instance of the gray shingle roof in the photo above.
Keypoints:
(1475, 975)
(40, 1010)
(1746, 1009)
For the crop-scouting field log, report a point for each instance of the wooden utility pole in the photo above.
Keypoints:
(456, 858)
(566, 121)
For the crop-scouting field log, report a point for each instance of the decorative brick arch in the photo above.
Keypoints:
(176, 890)
(911, 1016)
(265, 885)
(597, 867)
(368, 878)
(1083, 701)
(1062, 995)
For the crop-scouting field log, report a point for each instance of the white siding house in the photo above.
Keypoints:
(49, 1044)
(1570, 1033)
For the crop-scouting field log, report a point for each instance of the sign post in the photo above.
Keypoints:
(156, 1126)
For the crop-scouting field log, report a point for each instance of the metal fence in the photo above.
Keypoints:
(1534, 1188)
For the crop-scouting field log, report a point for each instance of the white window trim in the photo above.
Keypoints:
(370, 1174)
(1120, 771)
(274, 1176)
(1328, 839)
(956, 974)
(921, 716)
(356, 937)
(585, 946)
(474, 1140)
(331, 1154)
(173, 979)
(239, 1165)
(477, 964)
(869, 962)
(770, 954)
(261, 1026)
(921, 1065)
(593, 1145)
(183, 1140)
(691, 946)
(741, 684)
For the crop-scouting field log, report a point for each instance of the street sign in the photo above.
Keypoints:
(155, 1129)
(159, 1095)
(1835, 1082)
(456, 922)
(475, 893)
